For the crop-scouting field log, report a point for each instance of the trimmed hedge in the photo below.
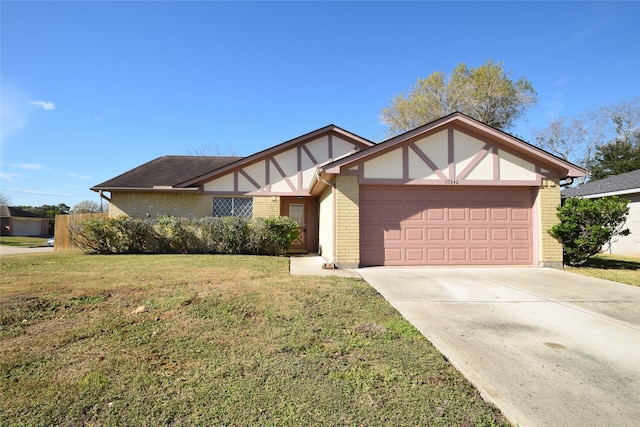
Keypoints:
(171, 235)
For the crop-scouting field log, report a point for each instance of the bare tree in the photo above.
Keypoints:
(576, 139)
(214, 151)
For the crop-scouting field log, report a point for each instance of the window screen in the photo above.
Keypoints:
(233, 206)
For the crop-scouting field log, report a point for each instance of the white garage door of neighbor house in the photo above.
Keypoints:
(405, 225)
(27, 228)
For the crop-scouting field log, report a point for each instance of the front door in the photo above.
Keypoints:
(297, 211)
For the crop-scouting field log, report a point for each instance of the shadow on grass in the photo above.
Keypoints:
(611, 264)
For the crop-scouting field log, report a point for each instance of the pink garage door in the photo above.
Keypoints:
(446, 226)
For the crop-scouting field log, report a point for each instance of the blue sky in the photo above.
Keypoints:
(92, 89)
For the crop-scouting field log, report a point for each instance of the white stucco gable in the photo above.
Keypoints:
(288, 169)
(455, 150)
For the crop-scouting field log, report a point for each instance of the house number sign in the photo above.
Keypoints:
(451, 181)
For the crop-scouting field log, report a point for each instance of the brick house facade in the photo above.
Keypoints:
(452, 192)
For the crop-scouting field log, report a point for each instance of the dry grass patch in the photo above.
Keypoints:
(222, 340)
(618, 268)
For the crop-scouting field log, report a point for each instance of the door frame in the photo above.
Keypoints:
(311, 213)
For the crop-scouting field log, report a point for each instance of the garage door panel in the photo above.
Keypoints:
(521, 234)
(478, 214)
(393, 255)
(441, 226)
(458, 234)
(478, 234)
(436, 255)
(415, 234)
(479, 254)
(374, 236)
(499, 214)
(393, 235)
(521, 215)
(458, 255)
(435, 234)
(415, 255)
(415, 213)
(499, 234)
(500, 254)
(521, 254)
(457, 214)
(435, 214)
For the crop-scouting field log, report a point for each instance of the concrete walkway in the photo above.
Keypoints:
(549, 348)
(312, 265)
(12, 250)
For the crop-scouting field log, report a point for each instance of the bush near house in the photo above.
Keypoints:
(587, 224)
(168, 234)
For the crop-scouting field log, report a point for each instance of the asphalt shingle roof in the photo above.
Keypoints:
(11, 212)
(625, 181)
(167, 171)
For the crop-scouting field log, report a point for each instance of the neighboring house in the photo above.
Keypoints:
(16, 222)
(452, 192)
(626, 185)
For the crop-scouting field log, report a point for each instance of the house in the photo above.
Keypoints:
(17, 222)
(452, 192)
(626, 185)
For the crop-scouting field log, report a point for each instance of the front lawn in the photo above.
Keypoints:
(213, 340)
(619, 268)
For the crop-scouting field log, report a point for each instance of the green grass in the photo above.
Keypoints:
(24, 241)
(618, 268)
(222, 340)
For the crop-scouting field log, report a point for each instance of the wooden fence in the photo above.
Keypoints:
(61, 232)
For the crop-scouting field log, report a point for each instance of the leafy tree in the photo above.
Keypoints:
(485, 93)
(87, 206)
(619, 156)
(47, 210)
(588, 224)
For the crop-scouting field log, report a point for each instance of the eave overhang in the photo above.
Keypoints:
(246, 161)
(466, 124)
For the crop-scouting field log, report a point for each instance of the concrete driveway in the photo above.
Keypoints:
(549, 348)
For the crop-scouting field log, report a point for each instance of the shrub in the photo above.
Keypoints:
(177, 235)
(167, 234)
(587, 224)
(121, 235)
(273, 235)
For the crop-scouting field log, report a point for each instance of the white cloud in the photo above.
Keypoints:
(43, 105)
(28, 166)
(37, 192)
(9, 176)
(76, 175)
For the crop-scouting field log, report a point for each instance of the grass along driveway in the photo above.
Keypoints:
(618, 268)
(213, 340)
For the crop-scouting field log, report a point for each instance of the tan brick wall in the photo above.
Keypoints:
(139, 204)
(550, 249)
(150, 204)
(347, 221)
(266, 206)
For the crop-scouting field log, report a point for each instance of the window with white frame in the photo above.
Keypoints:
(233, 206)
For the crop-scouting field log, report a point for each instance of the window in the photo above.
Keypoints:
(233, 206)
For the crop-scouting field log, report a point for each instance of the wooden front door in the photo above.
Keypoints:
(297, 211)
